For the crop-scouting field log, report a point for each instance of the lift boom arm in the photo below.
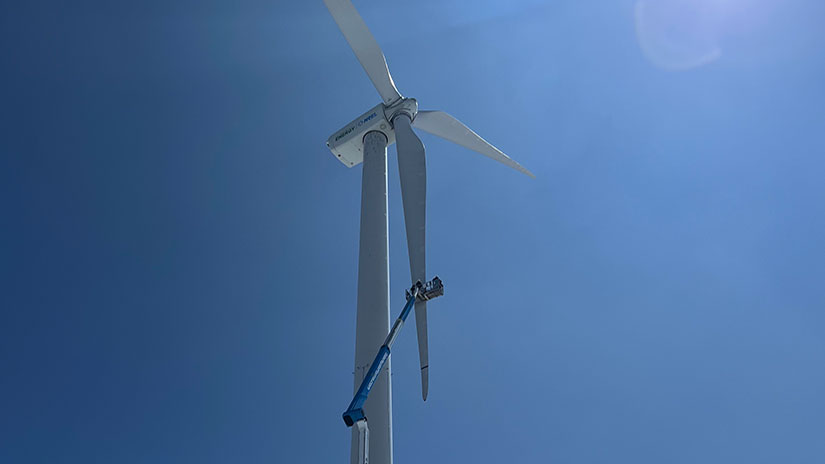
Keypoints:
(419, 291)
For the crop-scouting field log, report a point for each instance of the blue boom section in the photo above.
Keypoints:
(355, 411)
(419, 291)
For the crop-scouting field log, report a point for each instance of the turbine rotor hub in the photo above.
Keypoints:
(408, 106)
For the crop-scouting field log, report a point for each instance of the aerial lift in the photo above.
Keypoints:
(354, 415)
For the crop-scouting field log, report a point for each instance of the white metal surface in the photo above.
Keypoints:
(365, 47)
(363, 431)
(373, 309)
(412, 168)
(447, 127)
(347, 144)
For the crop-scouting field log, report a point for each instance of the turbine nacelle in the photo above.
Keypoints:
(347, 144)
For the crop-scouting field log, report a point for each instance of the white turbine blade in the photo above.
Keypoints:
(365, 47)
(449, 128)
(412, 167)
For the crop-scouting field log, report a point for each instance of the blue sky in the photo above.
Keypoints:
(179, 247)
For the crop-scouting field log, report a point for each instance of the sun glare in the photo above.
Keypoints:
(679, 34)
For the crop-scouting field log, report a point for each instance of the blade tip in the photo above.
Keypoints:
(524, 171)
(425, 384)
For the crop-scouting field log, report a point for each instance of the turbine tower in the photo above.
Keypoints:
(365, 140)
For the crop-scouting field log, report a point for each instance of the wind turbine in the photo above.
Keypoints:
(365, 139)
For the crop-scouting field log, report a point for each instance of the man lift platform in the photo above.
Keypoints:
(354, 415)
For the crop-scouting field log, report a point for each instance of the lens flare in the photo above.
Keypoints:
(678, 34)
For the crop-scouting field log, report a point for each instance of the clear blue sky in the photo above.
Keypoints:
(179, 247)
